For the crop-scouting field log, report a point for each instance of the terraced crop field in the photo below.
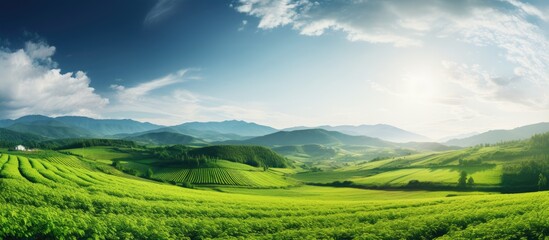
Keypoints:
(222, 176)
(45, 200)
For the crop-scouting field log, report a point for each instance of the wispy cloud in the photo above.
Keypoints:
(132, 93)
(243, 25)
(161, 10)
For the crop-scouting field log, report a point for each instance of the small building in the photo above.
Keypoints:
(20, 148)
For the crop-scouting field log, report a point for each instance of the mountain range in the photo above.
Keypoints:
(241, 132)
(74, 126)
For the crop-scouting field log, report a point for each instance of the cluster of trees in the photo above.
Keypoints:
(473, 162)
(195, 157)
(540, 141)
(180, 154)
(10, 139)
(528, 175)
(464, 182)
(256, 156)
(60, 144)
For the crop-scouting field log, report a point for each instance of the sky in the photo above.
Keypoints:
(437, 68)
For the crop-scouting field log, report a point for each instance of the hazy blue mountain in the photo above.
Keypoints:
(458, 136)
(208, 136)
(495, 136)
(382, 131)
(240, 128)
(50, 128)
(96, 127)
(165, 138)
(312, 136)
(24, 119)
(108, 126)
(59, 127)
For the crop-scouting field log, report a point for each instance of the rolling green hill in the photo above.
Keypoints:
(218, 165)
(220, 172)
(515, 166)
(307, 151)
(9, 138)
(428, 146)
(42, 199)
(166, 138)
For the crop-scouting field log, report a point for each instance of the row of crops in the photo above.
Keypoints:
(68, 160)
(44, 172)
(221, 176)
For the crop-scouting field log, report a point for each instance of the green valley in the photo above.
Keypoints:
(106, 189)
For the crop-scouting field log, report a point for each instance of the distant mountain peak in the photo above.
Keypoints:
(382, 131)
(312, 136)
(501, 135)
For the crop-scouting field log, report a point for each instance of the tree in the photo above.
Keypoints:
(470, 182)
(149, 173)
(542, 182)
(462, 181)
(115, 163)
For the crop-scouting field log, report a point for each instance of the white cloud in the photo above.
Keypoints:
(31, 85)
(272, 13)
(39, 51)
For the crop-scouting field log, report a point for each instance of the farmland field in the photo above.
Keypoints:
(52, 199)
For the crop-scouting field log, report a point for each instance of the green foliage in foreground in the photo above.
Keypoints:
(75, 203)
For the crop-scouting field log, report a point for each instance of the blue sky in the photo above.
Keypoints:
(430, 66)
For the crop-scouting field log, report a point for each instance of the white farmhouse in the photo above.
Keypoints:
(20, 148)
